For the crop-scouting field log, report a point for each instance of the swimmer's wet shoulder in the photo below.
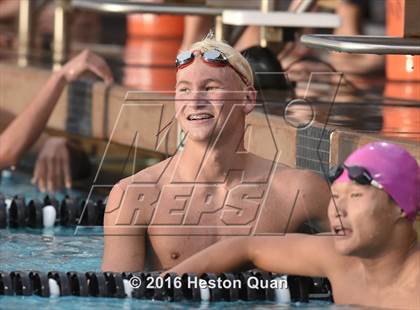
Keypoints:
(125, 194)
(297, 197)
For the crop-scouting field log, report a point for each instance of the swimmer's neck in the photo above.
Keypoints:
(208, 162)
(386, 267)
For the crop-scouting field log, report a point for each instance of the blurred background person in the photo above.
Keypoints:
(18, 134)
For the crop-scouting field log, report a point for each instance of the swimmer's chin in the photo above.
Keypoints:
(345, 243)
(350, 248)
(198, 136)
(200, 139)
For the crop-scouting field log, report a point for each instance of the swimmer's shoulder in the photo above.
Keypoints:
(289, 178)
(307, 191)
(150, 175)
(285, 171)
(298, 179)
(263, 168)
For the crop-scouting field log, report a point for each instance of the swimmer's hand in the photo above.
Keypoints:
(86, 61)
(52, 168)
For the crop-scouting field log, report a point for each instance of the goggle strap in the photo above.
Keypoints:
(376, 184)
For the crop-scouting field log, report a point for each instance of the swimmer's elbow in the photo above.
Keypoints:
(253, 252)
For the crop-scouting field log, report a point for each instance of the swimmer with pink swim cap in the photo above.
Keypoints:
(372, 256)
(385, 166)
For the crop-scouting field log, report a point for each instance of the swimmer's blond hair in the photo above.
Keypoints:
(236, 59)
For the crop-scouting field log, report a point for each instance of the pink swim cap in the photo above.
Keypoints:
(392, 167)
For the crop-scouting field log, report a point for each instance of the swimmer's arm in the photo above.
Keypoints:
(25, 129)
(195, 28)
(298, 254)
(124, 246)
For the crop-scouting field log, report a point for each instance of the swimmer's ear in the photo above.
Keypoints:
(401, 216)
(399, 213)
(250, 99)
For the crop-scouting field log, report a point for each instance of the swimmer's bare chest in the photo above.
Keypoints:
(188, 219)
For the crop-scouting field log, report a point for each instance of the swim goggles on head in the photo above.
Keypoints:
(211, 57)
(355, 173)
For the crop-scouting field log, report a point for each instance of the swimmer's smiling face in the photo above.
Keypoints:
(206, 96)
(362, 218)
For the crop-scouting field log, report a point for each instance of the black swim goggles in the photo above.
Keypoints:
(210, 57)
(356, 173)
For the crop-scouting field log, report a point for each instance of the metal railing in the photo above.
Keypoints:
(364, 44)
(62, 7)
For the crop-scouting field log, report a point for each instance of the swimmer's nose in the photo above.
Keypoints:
(199, 99)
(338, 209)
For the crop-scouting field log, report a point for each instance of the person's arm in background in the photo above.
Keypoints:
(124, 245)
(52, 168)
(289, 254)
(195, 29)
(8, 9)
(26, 128)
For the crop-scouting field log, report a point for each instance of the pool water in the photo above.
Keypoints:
(17, 182)
(64, 303)
(53, 249)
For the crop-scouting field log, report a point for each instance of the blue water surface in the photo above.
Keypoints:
(65, 303)
(18, 183)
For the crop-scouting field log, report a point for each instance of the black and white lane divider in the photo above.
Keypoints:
(247, 286)
(15, 213)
